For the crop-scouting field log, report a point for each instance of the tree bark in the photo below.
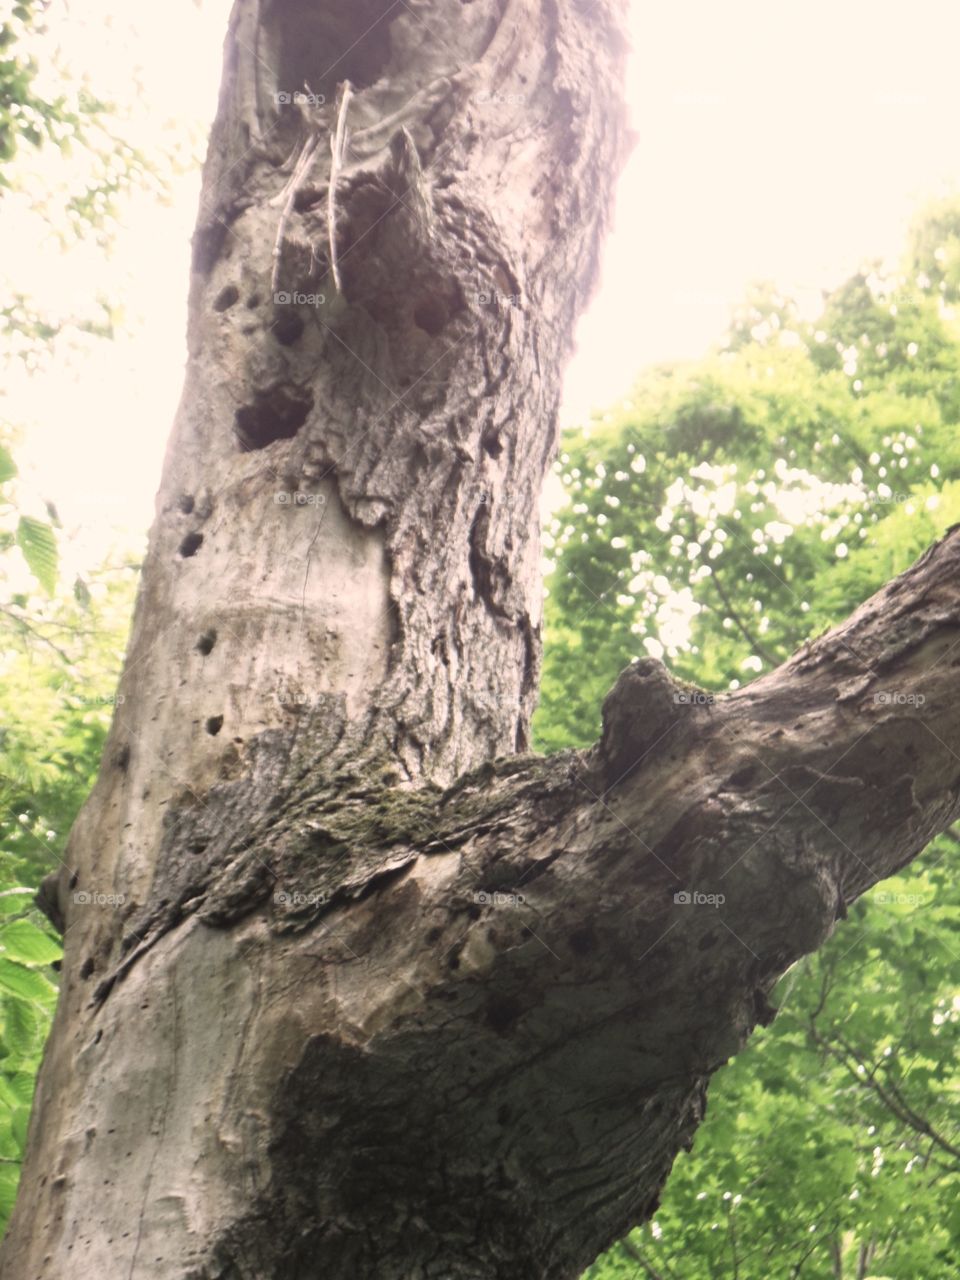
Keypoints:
(353, 986)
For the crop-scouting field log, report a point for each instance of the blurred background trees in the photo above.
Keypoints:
(62, 632)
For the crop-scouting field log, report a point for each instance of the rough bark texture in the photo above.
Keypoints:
(386, 997)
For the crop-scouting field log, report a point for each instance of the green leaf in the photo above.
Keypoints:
(10, 1148)
(8, 468)
(15, 900)
(20, 1027)
(26, 983)
(23, 1085)
(22, 940)
(9, 1178)
(39, 546)
(19, 1122)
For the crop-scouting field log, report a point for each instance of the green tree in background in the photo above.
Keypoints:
(743, 503)
(60, 644)
(735, 508)
(59, 664)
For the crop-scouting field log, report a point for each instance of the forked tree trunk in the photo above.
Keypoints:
(385, 996)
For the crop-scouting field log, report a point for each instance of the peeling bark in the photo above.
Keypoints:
(386, 996)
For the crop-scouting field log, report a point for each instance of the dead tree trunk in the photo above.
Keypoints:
(354, 987)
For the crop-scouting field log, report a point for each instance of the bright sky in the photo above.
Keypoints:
(778, 140)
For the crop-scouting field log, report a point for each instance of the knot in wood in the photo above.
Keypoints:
(639, 711)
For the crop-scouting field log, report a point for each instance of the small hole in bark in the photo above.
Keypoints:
(582, 942)
(502, 1013)
(206, 642)
(74, 879)
(98, 1037)
(253, 301)
(274, 415)
(474, 912)
(86, 968)
(214, 725)
(287, 328)
(430, 315)
(191, 545)
(492, 444)
(433, 934)
(186, 503)
(347, 42)
(197, 846)
(743, 776)
(226, 298)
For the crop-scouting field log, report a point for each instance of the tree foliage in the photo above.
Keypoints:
(58, 673)
(60, 644)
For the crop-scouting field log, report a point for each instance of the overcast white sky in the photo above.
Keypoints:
(779, 140)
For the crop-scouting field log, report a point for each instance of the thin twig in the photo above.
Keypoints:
(338, 142)
(29, 629)
(289, 195)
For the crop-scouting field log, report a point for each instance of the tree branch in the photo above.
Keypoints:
(888, 1093)
(761, 650)
(629, 1250)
